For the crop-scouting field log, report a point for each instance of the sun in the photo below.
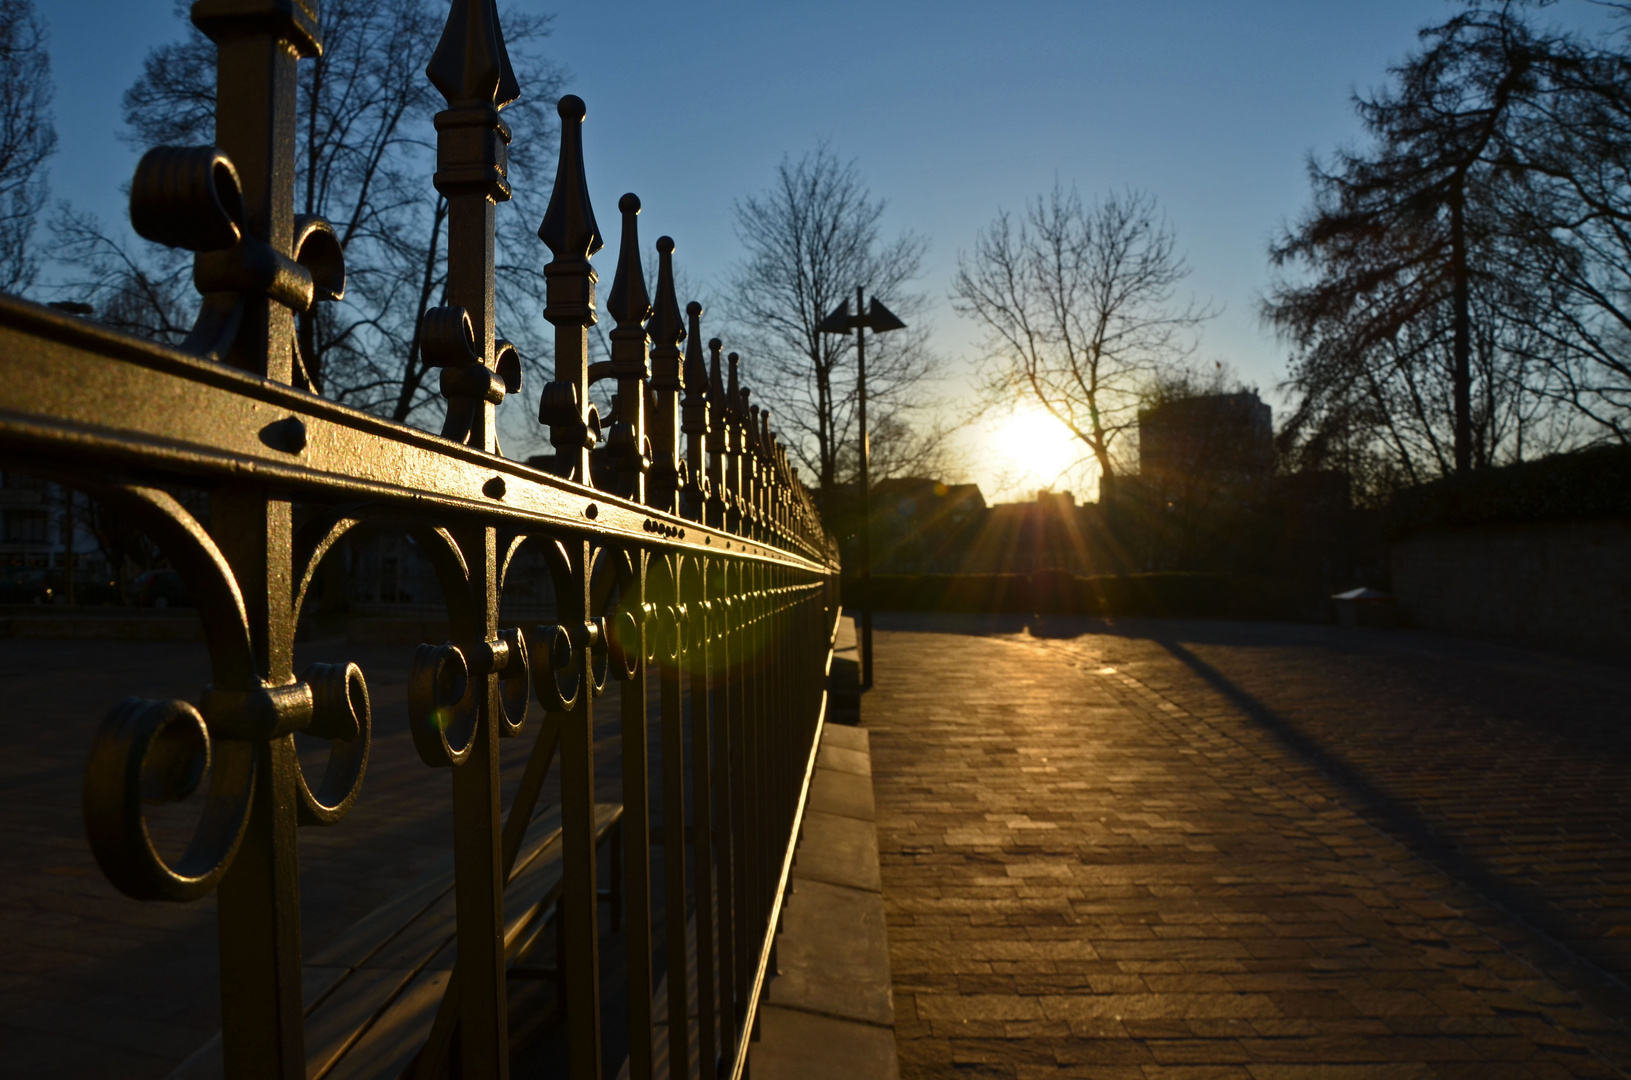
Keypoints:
(1036, 446)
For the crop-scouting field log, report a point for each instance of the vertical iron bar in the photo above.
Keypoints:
(628, 454)
(741, 807)
(635, 745)
(702, 826)
(572, 235)
(725, 807)
(752, 718)
(258, 46)
(674, 933)
(471, 71)
(579, 892)
(484, 1040)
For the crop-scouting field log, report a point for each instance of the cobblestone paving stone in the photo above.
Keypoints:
(1187, 850)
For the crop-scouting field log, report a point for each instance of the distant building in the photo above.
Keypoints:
(41, 531)
(1050, 532)
(921, 525)
(1205, 475)
(1223, 440)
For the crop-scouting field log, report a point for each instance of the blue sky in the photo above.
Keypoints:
(951, 109)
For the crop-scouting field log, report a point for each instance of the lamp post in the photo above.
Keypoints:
(878, 319)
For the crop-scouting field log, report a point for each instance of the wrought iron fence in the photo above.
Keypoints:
(681, 548)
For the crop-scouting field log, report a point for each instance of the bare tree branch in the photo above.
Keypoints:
(1079, 306)
(366, 156)
(27, 139)
(812, 237)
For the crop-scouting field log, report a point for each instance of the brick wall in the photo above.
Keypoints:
(1557, 583)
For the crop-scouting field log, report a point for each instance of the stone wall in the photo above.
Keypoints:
(1553, 583)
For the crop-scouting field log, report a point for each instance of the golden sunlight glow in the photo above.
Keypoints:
(1035, 450)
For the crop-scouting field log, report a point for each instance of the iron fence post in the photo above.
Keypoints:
(724, 612)
(257, 48)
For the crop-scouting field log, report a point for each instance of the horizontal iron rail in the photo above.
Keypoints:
(77, 392)
(703, 565)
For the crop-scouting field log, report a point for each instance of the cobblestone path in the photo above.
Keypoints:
(1205, 850)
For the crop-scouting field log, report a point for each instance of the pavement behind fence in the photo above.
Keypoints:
(1159, 848)
(1229, 850)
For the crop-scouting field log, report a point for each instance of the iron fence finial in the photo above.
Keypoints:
(569, 229)
(694, 416)
(696, 371)
(716, 378)
(470, 65)
(629, 303)
(666, 327)
(570, 232)
(666, 330)
(626, 444)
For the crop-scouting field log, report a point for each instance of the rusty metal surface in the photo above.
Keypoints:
(684, 541)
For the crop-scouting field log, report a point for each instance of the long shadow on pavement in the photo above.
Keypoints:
(1558, 943)
(1529, 906)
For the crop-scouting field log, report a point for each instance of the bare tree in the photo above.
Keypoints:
(1080, 308)
(1402, 235)
(366, 155)
(1569, 217)
(811, 238)
(1457, 294)
(27, 138)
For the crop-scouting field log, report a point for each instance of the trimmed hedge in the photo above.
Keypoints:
(1058, 592)
(1587, 484)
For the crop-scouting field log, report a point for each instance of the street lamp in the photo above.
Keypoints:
(878, 319)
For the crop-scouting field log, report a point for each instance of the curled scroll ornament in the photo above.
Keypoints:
(190, 197)
(569, 657)
(152, 752)
(443, 683)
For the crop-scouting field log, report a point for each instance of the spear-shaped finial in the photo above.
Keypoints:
(569, 227)
(667, 326)
(733, 396)
(716, 381)
(470, 65)
(694, 419)
(626, 442)
(696, 372)
(752, 463)
(666, 330)
(570, 231)
(629, 303)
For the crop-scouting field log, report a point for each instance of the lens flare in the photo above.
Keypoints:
(1036, 448)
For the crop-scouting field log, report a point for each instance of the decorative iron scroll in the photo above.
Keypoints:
(683, 552)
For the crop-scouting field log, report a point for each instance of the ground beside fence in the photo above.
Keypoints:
(1231, 850)
(93, 984)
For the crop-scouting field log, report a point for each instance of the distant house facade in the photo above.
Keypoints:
(920, 525)
(1205, 477)
(1205, 446)
(1049, 532)
(45, 527)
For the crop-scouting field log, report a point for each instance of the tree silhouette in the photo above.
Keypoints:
(27, 139)
(365, 157)
(811, 238)
(1456, 295)
(1079, 304)
(1572, 226)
